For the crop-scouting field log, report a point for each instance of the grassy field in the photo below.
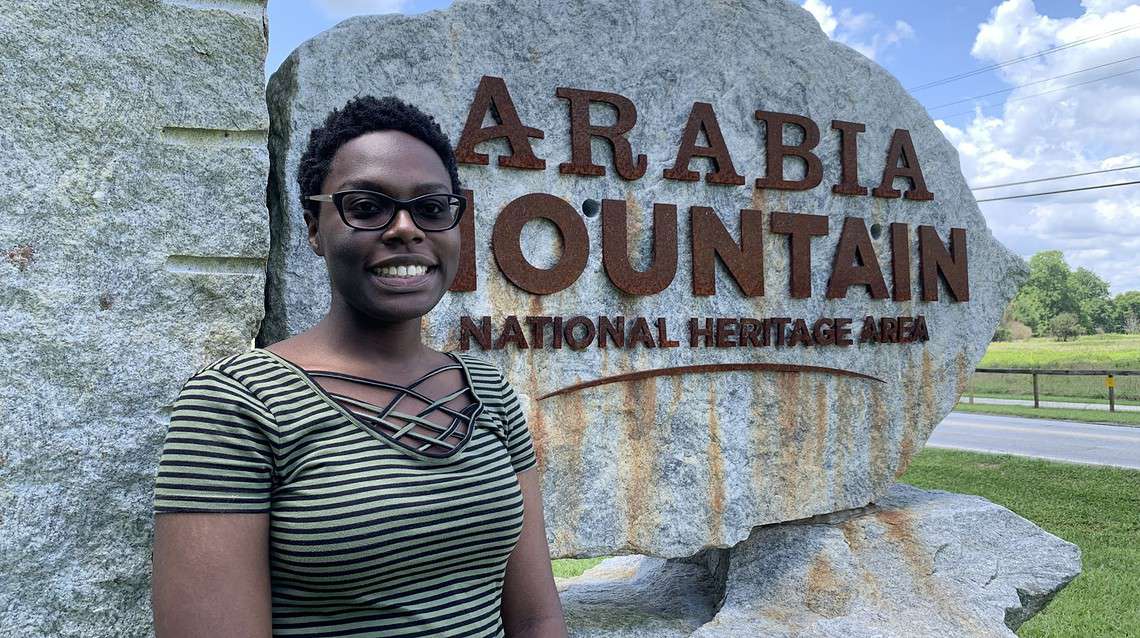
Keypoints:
(1096, 508)
(1059, 414)
(1093, 352)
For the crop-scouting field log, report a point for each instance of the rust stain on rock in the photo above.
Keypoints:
(638, 460)
(928, 381)
(790, 406)
(21, 256)
(758, 440)
(845, 400)
(715, 455)
(962, 365)
(826, 595)
(899, 529)
(922, 404)
(564, 439)
(878, 434)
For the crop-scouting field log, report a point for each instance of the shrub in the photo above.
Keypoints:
(1002, 333)
(1019, 331)
(1065, 326)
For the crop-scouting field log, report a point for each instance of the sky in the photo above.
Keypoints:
(1073, 110)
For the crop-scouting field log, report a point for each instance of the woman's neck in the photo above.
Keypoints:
(350, 336)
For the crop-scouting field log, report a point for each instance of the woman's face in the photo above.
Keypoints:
(360, 262)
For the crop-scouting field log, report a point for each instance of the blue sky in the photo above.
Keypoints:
(1001, 138)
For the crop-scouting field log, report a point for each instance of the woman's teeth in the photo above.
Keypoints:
(401, 271)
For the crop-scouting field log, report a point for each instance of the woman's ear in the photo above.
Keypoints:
(312, 228)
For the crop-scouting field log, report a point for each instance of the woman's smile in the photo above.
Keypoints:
(404, 278)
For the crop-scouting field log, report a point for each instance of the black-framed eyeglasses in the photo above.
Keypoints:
(372, 210)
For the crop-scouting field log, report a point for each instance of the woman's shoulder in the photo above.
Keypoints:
(238, 371)
(483, 371)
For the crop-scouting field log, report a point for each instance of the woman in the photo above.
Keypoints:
(351, 481)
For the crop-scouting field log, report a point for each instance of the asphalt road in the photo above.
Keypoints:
(1041, 438)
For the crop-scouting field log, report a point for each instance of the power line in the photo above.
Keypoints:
(998, 65)
(1063, 88)
(1067, 190)
(1021, 86)
(1050, 179)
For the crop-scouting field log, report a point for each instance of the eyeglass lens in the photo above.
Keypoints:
(367, 209)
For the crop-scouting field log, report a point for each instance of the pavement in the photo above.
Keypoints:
(1087, 443)
(1052, 404)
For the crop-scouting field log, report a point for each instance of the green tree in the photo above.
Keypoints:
(1128, 309)
(1065, 326)
(1046, 293)
(1094, 305)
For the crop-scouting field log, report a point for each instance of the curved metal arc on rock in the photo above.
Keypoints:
(710, 367)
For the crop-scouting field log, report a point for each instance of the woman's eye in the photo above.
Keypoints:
(363, 206)
(431, 208)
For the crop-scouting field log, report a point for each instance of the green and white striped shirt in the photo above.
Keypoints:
(367, 538)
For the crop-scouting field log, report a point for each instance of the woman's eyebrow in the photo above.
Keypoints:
(419, 189)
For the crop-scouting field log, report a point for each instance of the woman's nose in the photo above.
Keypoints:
(402, 228)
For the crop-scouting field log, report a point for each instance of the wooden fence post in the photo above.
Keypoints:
(1111, 383)
(1036, 402)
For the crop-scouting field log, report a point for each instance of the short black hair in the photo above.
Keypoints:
(365, 114)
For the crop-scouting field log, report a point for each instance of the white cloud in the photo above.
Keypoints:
(1069, 131)
(823, 15)
(860, 31)
(346, 8)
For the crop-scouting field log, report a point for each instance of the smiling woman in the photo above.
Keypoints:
(349, 480)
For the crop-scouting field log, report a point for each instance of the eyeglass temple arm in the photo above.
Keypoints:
(319, 198)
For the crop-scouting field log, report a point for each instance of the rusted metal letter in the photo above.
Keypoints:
(465, 280)
(800, 228)
(745, 261)
(481, 333)
(935, 260)
(492, 96)
(900, 261)
(848, 158)
(512, 333)
(615, 249)
(902, 149)
(505, 244)
(581, 130)
(572, 339)
(775, 151)
(855, 263)
(702, 118)
(614, 331)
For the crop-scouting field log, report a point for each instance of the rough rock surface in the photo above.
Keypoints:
(671, 464)
(638, 596)
(132, 252)
(917, 563)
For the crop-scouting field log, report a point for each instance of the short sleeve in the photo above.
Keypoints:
(217, 455)
(520, 445)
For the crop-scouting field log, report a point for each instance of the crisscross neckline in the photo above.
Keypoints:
(382, 425)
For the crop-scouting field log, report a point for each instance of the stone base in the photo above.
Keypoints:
(917, 563)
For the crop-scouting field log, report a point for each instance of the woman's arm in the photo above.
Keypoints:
(530, 601)
(211, 576)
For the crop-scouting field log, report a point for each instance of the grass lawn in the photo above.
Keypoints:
(567, 567)
(1096, 508)
(1058, 414)
(1092, 352)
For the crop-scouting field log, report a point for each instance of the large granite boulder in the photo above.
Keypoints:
(916, 563)
(132, 252)
(672, 458)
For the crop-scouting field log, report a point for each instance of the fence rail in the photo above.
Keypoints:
(1109, 379)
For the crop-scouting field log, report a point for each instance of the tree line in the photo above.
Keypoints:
(1062, 302)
